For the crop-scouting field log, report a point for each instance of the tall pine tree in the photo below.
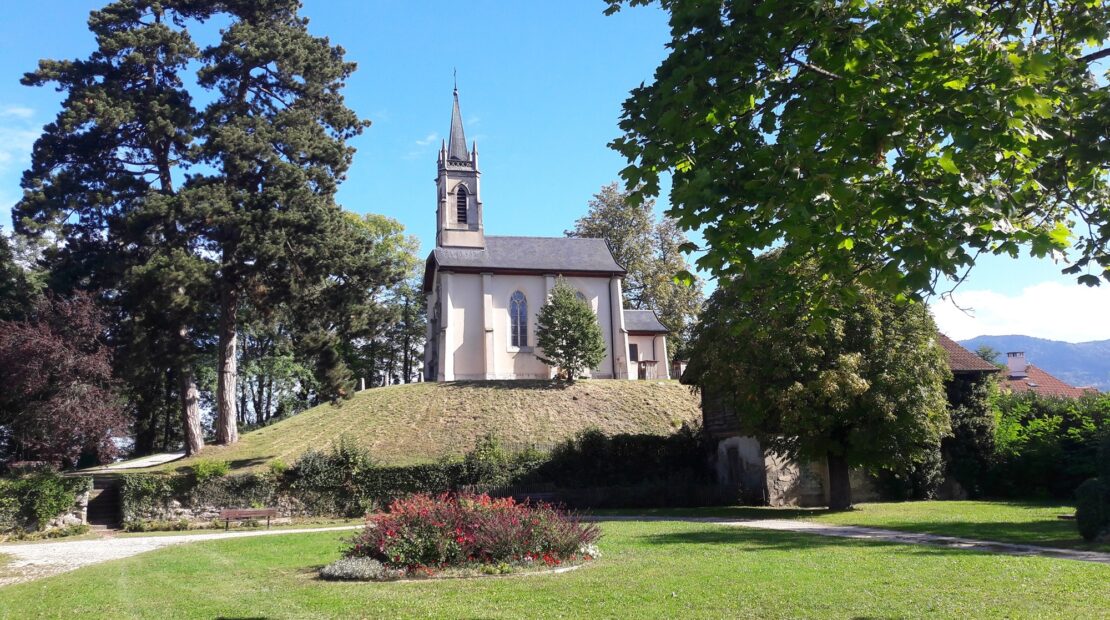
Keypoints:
(103, 179)
(276, 140)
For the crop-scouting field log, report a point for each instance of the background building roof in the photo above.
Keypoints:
(1040, 382)
(643, 321)
(962, 360)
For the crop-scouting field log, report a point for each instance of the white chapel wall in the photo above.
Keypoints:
(465, 330)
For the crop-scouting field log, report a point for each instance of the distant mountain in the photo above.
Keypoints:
(1080, 364)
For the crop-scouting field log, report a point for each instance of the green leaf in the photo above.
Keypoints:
(846, 243)
(945, 161)
(684, 278)
(1089, 280)
(959, 83)
(1060, 235)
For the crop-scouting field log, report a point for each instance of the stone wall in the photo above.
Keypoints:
(765, 477)
(77, 514)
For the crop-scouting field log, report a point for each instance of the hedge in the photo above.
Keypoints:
(28, 503)
(1046, 447)
(591, 470)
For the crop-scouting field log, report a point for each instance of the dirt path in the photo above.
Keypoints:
(877, 534)
(35, 560)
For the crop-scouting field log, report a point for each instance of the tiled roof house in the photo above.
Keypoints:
(1022, 376)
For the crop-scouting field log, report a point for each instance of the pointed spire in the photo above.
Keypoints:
(456, 144)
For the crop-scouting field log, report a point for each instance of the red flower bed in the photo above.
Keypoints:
(423, 533)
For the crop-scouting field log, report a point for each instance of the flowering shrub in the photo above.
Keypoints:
(423, 533)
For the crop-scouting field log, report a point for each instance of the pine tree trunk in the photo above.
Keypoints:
(190, 411)
(227, 429)
(406, 363)
(840, 486)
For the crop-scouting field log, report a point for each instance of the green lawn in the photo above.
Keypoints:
(1031, 523)
(4, 560)
(648, 569)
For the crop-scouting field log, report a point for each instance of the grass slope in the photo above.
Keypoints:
(421, 422)
(647, 570)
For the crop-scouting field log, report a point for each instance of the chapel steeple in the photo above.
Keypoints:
(456, 144)
(459, 204)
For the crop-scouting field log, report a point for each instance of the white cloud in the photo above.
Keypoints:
(1054, 310)
(17, 111)
(429, 139)
(17, 136)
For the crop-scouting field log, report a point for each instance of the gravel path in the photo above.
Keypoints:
(35, 560)
(871, 533)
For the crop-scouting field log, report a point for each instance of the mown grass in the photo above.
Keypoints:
(647, 570)
(1031, 523)
(421, 422)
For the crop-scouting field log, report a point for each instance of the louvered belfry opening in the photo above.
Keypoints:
(460, 198)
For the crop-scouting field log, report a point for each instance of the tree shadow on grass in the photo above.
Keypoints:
(750, 540)
(1043, 533)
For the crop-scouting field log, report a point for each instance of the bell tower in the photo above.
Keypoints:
(458, 193)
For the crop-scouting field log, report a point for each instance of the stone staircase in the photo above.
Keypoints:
(104, 505)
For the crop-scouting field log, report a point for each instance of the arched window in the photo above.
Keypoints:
(518, 319)
(460, 204)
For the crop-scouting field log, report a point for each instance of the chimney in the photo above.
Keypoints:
(1015, 362)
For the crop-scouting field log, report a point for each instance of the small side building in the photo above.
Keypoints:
(763, 477)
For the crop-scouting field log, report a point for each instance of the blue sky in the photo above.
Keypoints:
(541, 86)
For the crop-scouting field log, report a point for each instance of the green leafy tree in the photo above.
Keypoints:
(568, 333)
(866, 390)
(988, 353)
(385, 347)
(658, 277)
(889, 142)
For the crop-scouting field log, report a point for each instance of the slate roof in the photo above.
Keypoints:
(643, 321)
(541, 254)
(1038, 381)
(456, 144)
(962, 360)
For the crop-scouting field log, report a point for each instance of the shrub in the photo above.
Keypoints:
(915, 480)
(1092, 498)
(157, 525)
(423, 533)
(143, 495)
(278, 467)
(30, 502)
(58, 532)
(205, 470)
(359, 569)
(328, 482)
(969, 450)
(1092, 510)
(1047, 446)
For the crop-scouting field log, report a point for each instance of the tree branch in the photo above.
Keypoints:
(1093, 56)
(814, 68)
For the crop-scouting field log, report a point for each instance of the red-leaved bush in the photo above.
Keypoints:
(56, 386)
(423, 533)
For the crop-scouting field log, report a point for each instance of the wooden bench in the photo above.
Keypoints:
(247, 514)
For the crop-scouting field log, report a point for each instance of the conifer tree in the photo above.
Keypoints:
(276, 137)
(568, 333)
(103, 179)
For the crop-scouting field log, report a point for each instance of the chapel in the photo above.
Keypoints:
(484, 292)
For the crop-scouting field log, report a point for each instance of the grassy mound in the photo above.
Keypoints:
(421, 422)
